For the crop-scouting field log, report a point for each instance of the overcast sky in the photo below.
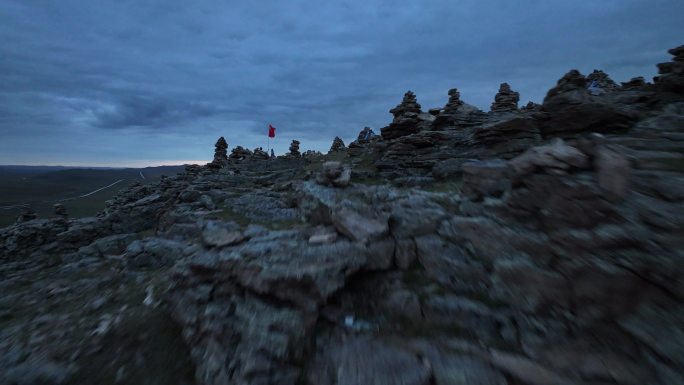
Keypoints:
(133, 82)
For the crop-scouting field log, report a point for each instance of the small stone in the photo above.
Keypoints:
(322, 238)
(216, 234)
(357, 227)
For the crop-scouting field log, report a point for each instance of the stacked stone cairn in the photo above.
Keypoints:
(405, 120)
(27, 214)
(571, 81)
(602, 80)
(635, 82)
(454, 102)
(672, 73)
(530, 106)
(220, 153)
(366, 135)
(60, 211)
(240, 153)
(337, 145)
(294, 149)
(260, 154)
(506, 99)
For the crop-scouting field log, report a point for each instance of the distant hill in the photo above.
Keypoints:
(83, 190)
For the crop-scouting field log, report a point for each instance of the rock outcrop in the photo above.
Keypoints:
(366, 135)
(601, 80)
(506, 100)
(671, 74)
(240, 153)
(571, 109)
(538, 247)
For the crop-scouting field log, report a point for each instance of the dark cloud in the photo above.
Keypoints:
(127, 81)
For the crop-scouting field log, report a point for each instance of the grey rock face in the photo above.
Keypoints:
(357, 227)
(671, 74)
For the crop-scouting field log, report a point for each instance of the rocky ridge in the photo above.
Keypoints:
(540, 246)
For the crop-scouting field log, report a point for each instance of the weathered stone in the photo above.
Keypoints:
(220, 234)
(556, 155)
(334, 174)
(358, 227)
(365, 361)
(483, 178)
(613, 172)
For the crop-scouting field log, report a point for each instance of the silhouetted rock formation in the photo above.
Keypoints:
(506, 100)
(572, 109)
(59, 210)
(635, 82)
(240, 153)
(27, 214)
(408, 118)
(294, 149)
(456, 113)
(530, 106)
(454, 102)
(671, 76)
(547, 253)
(260, 154)
(337, 144)
(602, 81)
(220, 153)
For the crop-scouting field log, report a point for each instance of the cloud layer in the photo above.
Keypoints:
(125, 82)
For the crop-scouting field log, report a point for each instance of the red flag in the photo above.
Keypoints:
(271, 131)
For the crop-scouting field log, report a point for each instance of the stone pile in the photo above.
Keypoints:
(220, 153)
(240, 153)
(260, 154)
(27, 214)
(602, 81)
(454, 103)
(506, 100)
(573, 81)
(334, 174)
(456, 113)
(407, 118)
(530, 106)
(337, 145)
(549, 255)
(635, 82)
(671, 74)
(311, 154)
(60, 211)
(366, 135)
(294, 149)
(571, 109)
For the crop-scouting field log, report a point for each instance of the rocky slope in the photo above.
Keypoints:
(540, 245)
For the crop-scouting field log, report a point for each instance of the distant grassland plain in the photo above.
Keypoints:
(42, 187)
